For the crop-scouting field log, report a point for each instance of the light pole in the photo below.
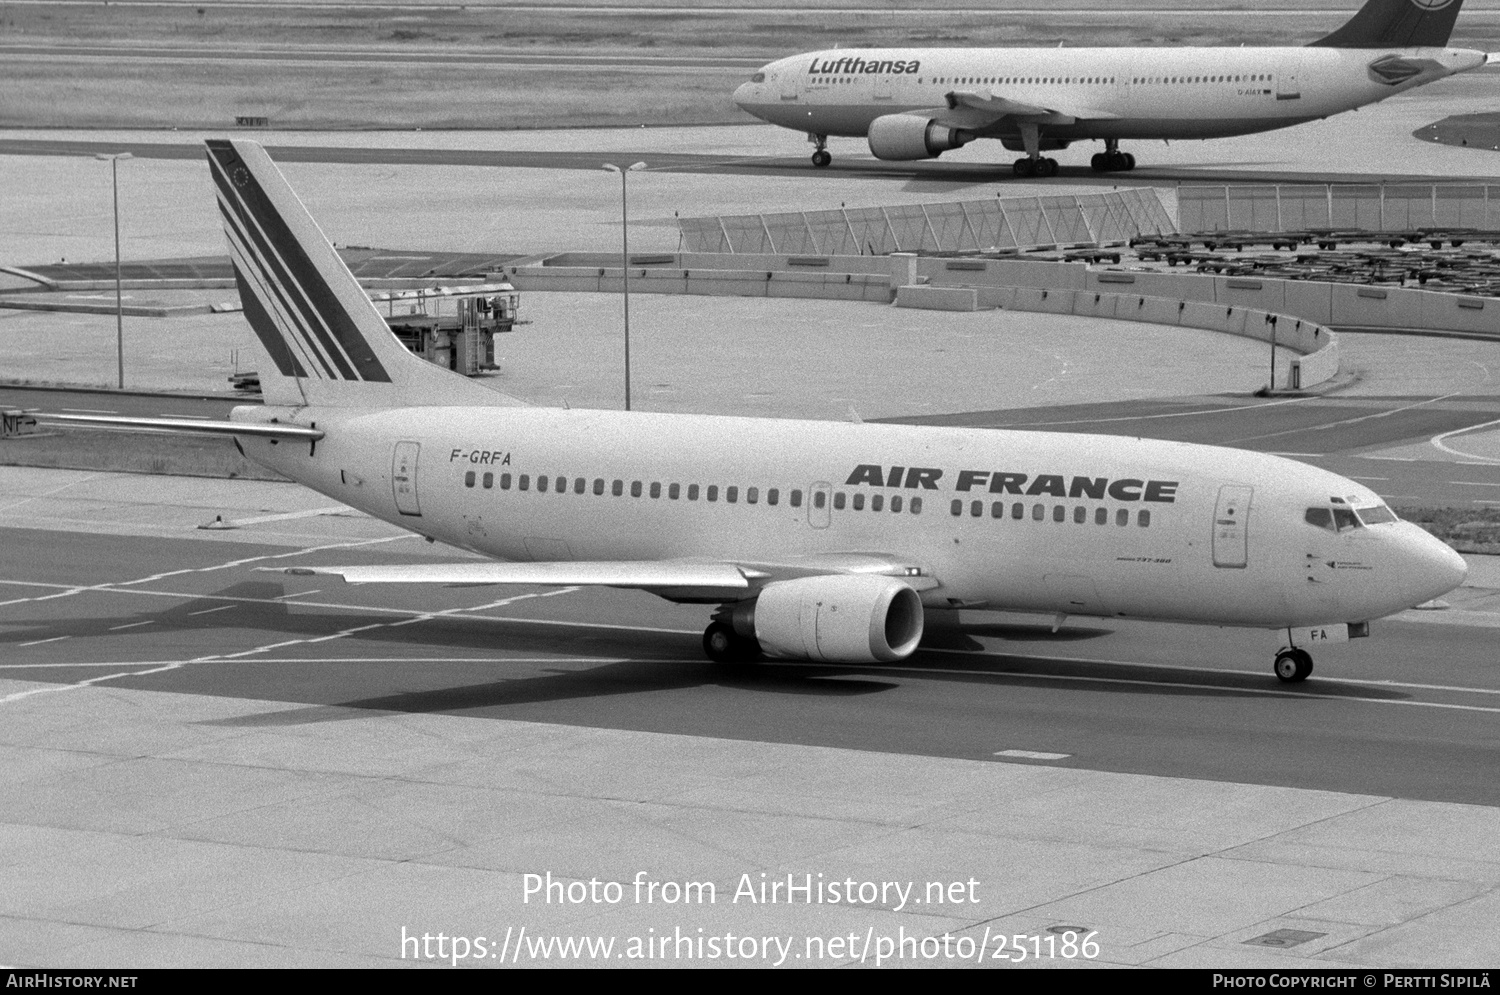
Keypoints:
(114, 172)
(625, 260)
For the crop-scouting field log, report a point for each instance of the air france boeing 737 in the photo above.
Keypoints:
(917, 103)
(815, 540)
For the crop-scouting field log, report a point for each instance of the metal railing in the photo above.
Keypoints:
(959, 226)
(1338, 206)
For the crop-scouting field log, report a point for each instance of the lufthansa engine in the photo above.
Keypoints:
(849, 618)
(902, 136)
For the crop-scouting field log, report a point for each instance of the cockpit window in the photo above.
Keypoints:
(1345, 519)
(1377, 514)
(1338, 519)
(758, 78)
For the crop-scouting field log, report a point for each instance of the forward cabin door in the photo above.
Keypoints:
(1232, 526)
(404, 478)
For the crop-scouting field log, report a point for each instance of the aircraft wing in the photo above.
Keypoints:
(709, 578)
(982, 108)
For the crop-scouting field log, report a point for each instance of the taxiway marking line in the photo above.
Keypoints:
(1438, 441)
(1032, 755)
(1346, 421)
(39, 642)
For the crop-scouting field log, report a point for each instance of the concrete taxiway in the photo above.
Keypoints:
(210, 765)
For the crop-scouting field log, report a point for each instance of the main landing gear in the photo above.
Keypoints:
(1039, 166)
(821, 156)
(722, 644)
(1112, 160)
(1292, 665)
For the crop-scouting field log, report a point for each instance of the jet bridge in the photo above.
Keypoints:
(453, 327)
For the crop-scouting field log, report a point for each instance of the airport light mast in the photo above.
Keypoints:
(625, 260)
(114, 172)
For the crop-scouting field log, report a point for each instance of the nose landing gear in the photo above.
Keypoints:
(821, 157)
(1292, 665)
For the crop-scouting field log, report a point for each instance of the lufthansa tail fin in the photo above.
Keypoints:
(1397, 24)
(327, 343)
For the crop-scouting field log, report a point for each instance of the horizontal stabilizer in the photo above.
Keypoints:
(260, 430)
(631, 574)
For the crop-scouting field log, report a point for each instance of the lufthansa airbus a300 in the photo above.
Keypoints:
(815, 540)
(917, 103)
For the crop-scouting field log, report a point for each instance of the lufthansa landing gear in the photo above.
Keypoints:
(821, 156)
(1292, 665)
(722, 644)
(1039, 166)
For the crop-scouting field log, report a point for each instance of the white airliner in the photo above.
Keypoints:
(816, 540)
(917, 103)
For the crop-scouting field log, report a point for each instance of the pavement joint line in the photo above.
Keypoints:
(568, 658)
(421, 617)
(52, 492)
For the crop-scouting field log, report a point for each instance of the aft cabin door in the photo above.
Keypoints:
(404, 478)
(1232, 526)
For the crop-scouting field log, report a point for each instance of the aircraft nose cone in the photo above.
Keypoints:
(744, 94)
(1437, 568)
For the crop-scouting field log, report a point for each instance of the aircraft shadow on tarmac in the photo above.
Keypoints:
(602, 665)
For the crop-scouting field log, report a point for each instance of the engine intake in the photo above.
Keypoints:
(850, 618)
(902, 136)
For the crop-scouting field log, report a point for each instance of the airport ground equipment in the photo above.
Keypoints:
(453, 327)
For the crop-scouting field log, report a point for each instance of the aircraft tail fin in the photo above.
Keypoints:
(328, 344)
(1397, 24)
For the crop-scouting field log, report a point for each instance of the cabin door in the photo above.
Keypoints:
(404, 478)
(1232, 526)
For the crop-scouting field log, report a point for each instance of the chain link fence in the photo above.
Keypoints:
(1340, 206)
(960, 226)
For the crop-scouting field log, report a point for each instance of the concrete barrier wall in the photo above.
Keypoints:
(937, 284)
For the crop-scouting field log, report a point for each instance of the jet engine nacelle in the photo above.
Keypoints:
(850, 618)
(902, 136)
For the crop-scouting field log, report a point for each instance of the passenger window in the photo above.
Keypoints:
(674, 492)
(656, 489)
(957, 507)
(1321, 517)
(580, 485)
(1059, 513)
(488, 481)
(896, 504)
(1101, 516)
(1143, 519)
(598, 485)
(505, 481)
(877, 502)
(916, 506)
(1080, 514)
(1038, 512)
(617, 488)
(692, 492)
(635, 488)
(1018, 511)
(1345, 520)
(469, 479)
(859, 502)
(820, 499)
(541, 483)
(713, 492)
(525, 481)
(1122, 517)
(976, 508)
(752, 495)
(997, 510)
(731, 494)
(772, 496)
(838, 501)
(797, 499)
